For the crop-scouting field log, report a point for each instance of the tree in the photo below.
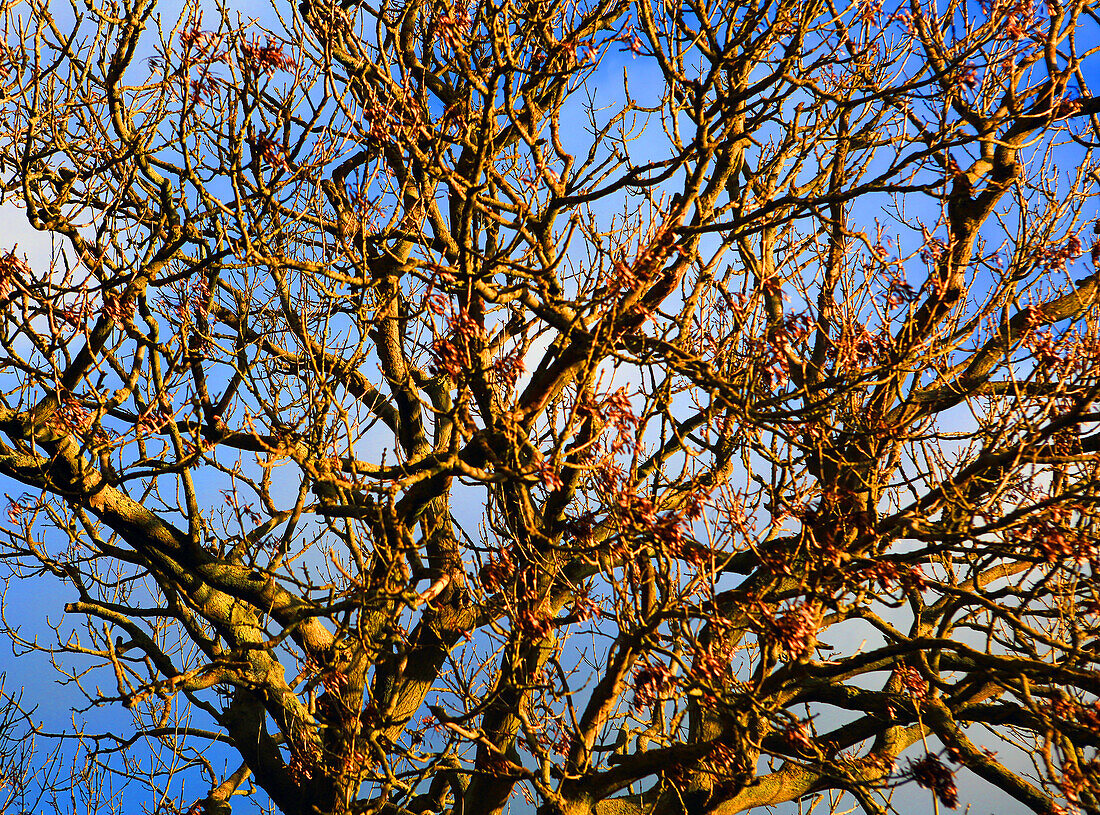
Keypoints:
(448, 407)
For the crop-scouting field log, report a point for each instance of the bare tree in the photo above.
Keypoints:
(446, 407)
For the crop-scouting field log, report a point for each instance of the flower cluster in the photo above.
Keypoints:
(887, 574)
(1042, 344)
(711, 666)
(796, 737)
(857, 347)
(18, 507)
(968, 76)
(451, 27)
(725, 762)
(898, 292)
(1085, 715)
(496, 570)
(12, 267)
(548, 475)
(76, 313)
(930, 773)
(266, 57)
(618, 413)
(507, 369)
(203, 43)
(1075, 779)
(304, 760)
(155, 417)
(120, 308)
(202, 51)
(453, 354)
(584, 608)
(7, 60)
(392, 118)
(1075, 352)
(794, 632)
(637, 518)
(190, 301)
(1055, 539)
(435, 302)
(1021, 18)
(1055, 258)
(534, 623)
(869, 11)
(630, 276)
(912, 682)
(933, 248)
(71, 416)
(652, 685)
(266, 148)
(778, 346)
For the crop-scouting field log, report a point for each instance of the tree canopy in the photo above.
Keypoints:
(610, 407)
